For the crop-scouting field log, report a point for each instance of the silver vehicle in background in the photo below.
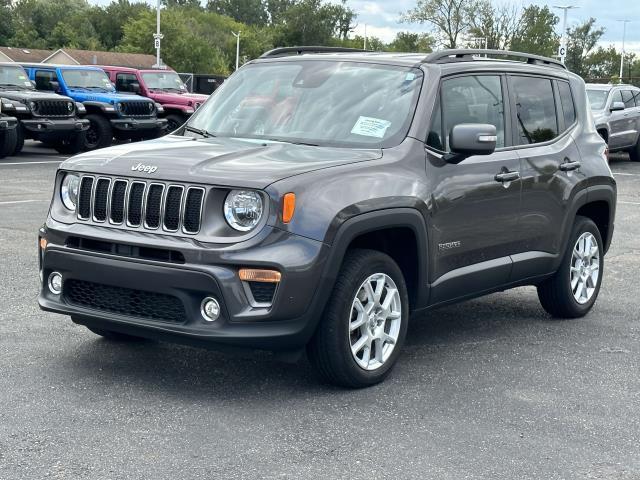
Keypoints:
(616, 111)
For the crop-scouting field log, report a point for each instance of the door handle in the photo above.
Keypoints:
(568, 165)
(506, 176)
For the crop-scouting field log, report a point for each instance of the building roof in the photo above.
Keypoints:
(25, 54)
(120, 59)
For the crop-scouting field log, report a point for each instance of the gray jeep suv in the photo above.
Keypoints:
(616, 112)
(321, 196)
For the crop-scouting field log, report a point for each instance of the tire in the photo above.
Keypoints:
(19, 139)
(115, 336)
(330, 349)
(634, 152)
(72, 145)
(155, 133)
(556, 294)
(100, 133)
(174, 121)
(8, 140)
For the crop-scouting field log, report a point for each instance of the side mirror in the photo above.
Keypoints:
(467, 139)
(54, 86)
(617, 106)
(135, 87)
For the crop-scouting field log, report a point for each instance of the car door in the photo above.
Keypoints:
(474, 204)
(621, 129)
(632, 114)
(544, 113)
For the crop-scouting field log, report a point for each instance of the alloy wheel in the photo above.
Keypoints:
(585, 268)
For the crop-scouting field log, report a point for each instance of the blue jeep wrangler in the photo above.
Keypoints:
(110, 114)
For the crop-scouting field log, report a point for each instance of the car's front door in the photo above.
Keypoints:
(475, 204)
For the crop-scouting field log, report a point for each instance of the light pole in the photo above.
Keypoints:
(624, 32)
(157, 37)
(562, 52)
(365, 36)
(237, 35)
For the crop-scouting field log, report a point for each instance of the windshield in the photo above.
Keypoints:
(14, 76)
(597, 98)
(314, 102)
(87, 79)
(164, 81)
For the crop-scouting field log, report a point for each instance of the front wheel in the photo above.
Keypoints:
(8, 140)
(72, 145)
(365, 322)
(100, 133)
(174, 121)
(634, 153)
(574, 288)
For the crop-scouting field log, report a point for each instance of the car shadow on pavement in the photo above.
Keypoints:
(198, 373)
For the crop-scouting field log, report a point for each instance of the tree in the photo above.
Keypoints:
(109, 21)
(450, 17)
(582, 39)
(251, 12)
(497, 24)
(6, 22)
(412, 42)
(536, 32)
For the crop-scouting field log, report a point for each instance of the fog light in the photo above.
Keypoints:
(55, 283)
(210, 309)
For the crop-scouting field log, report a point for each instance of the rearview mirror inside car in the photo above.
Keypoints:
(616, 106)
(467, 139)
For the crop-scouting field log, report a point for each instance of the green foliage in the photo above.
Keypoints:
(582, 40)
(412, 42)
(251, 12)
(536, 32)
(452, 18)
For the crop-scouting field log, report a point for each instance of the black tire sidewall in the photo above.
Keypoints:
(8, 139)
(103, 130)
(176, 119)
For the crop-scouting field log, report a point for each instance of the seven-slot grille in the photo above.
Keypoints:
(141, 204)
(137, 108)
(52, 108)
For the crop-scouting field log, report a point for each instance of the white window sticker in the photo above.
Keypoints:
(371, 127)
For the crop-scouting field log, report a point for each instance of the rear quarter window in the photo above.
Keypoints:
(535, 109)
(566, 102)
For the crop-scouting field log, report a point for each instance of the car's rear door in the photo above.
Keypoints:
(621, 125)
(475, 203)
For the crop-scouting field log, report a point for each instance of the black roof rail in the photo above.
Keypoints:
(458, 55)
(283, 51)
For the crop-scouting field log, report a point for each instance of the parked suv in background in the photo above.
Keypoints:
(616, 111)
(162, 86)
(8, 136)
(322, 195)
(46, 117)
(110, 114)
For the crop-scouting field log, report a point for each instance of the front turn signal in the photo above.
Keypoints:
(288, 207)
(256, 275)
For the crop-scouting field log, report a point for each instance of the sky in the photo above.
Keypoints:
(381, 17)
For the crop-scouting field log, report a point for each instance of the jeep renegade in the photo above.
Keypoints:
(46, 117)
(110, 114)
(322, 195)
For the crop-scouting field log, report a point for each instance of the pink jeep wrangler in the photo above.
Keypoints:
(163, 86)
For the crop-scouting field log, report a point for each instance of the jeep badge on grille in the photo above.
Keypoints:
(144, 168)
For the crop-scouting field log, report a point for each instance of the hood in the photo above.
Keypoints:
(111, 97)
(214, 161)
(178, 98)
(31, 95)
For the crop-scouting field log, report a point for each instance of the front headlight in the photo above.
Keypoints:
(70, 106)
(32, 106)
(69, 190)
(119, 107)
(243, 209)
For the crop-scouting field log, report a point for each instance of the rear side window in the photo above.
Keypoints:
(627, 98)
(535, 109)
(124, 81)
(44, 79)
(566, 101)
(468, 99)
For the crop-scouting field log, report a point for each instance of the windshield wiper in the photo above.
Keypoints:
(202, 133)
(293, 142)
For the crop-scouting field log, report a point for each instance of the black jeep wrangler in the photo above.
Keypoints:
(46, 117)
(321, 196)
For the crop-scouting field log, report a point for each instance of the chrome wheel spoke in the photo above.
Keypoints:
(360, 344)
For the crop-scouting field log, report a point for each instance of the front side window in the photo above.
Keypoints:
(627, 98)
(535, 109)
(44, 79)
(566, 101)
(314, 102)
(616, 97)
(124, 81)
(470, 99)
(170, 81)
(95, 80)
(14, 76)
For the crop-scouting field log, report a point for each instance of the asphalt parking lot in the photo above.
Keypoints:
(492, 388)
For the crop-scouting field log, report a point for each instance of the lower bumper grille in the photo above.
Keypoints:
(124, 301)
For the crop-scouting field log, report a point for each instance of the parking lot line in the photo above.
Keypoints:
(13, 202)
(629, 203)
(2, 164)
(628, 174)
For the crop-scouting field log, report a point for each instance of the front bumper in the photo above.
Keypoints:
(130, 124)
(208, 271)
(8, 123)
(61, 126)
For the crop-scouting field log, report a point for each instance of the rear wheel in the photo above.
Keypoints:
(365, 322)
(574, 288)
(72, 145)
(115, 336)
(100, 133)
(8, 139)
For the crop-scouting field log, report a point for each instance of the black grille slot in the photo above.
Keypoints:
(172, 207)
(52, 108)
(154, 204)
(101, 199)
(124, 301)
(192, 210)
(134, 208)
(84, 199)
(263, 292)
(122, 249)
(137, 109)
(117, 201)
